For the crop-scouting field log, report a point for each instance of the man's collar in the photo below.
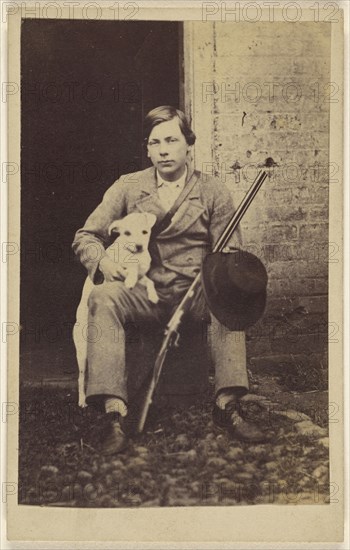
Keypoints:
(148, 179)
(181, 181)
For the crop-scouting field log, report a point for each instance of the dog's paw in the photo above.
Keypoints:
(129, 284)
(153, 297)
(82, 402)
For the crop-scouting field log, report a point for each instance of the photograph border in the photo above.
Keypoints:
(272, 523)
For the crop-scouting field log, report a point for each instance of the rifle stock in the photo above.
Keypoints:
(171, 331)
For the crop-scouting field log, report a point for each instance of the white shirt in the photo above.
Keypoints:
(168, 191)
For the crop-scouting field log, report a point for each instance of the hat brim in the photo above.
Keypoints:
(235, 310)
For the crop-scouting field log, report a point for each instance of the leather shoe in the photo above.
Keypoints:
(240, 429)
(115, 440)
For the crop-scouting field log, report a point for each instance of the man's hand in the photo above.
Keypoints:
(112, 271)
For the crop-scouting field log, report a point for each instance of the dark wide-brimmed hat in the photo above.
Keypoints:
(234, 286)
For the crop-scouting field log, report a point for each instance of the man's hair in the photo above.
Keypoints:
(163, 114)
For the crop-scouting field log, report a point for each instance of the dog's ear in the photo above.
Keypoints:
(114, 228)
(151, 219)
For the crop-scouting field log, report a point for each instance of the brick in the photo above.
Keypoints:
(286, 213)
(312, 252)
(312, 304)
(314, 231)
(304, 195)
(280, 233)
(271, 233)
(308, 286)
(318, 213)
(297, 270)
(290, 304)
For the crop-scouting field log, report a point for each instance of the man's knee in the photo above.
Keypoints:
(107, 294)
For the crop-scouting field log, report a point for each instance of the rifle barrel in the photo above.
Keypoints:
(241, 210)
(181, 308)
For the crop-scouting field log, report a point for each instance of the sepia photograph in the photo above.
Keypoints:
(179, 293)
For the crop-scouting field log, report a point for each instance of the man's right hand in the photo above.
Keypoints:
(112, 271)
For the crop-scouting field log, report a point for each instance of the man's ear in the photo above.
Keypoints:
(114, 228)
(151, 219)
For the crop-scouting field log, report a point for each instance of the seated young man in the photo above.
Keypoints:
(177, 255)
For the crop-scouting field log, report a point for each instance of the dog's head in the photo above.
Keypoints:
(134, 231)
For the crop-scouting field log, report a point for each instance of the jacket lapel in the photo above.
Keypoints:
(188, 212)
(149, 199)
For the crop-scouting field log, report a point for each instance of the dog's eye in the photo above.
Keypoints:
(127, 233)
(144, 232)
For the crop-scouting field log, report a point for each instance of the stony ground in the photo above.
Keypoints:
(180, 460)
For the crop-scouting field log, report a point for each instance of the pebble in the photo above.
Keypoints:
(234, 454)
(169, 480)
(49, 470)
(223, 480)
(320, 471)
(106, 500)
(77, 491)
(227, 485)
(217, 462)
(270, 466)
(295, 416)
(109, 480)
(136, 463)
(84, 476)
(118, 465)
(141, 450)
(67, 493)
(105, 467)
(222, 443)
(259, 449)
(250, 468)
(189, 456)
(324, 441)
(195, 486)
(272, 477)
(254, 397)
(192, 454)
(230, 470)
(182, 441)
(50, 495)
(117, 475)
(243, 476)
(67, 478)
(306, 427)
(93, 491)
(278, 450)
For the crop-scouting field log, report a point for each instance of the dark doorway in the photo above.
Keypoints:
(86, 86)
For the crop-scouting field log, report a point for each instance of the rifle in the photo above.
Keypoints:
(171, 334)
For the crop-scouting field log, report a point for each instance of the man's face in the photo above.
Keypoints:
(167, 148)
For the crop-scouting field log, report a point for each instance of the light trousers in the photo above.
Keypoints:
(113, 309)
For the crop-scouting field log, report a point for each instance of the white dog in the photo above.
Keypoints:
(130, 251)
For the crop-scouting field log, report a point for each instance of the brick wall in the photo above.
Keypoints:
(258, 95)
